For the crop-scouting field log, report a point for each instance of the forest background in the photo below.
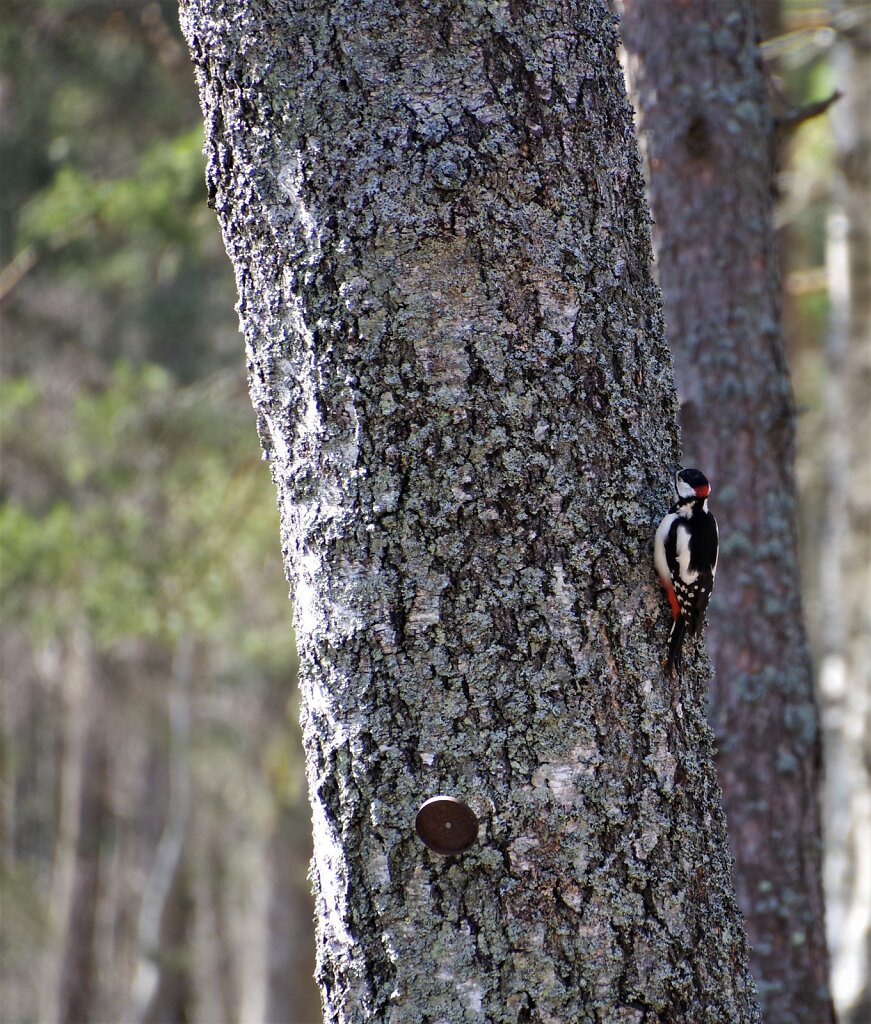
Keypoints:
(155, 827)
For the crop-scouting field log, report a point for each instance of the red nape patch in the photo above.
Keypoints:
(703, 492)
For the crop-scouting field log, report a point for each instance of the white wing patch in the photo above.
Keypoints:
(659, 559)
(682, 540)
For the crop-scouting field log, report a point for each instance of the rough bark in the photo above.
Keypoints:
(709, 140)
(845, 550)
(438, 227)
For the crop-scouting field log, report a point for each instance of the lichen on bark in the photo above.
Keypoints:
(456, 355)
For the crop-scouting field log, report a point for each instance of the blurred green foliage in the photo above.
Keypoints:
(135, 510)
(89, 85)
(105, 237)
(133, 496)
(153, 204)
(133, 503)
(150, 518)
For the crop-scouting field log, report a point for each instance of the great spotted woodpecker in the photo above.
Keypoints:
(685, 556)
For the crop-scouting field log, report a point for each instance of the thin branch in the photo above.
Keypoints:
(17, 268)
(798, 115)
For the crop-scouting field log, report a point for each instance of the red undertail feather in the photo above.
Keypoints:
(672, 598)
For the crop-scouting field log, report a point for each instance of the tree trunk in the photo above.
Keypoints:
(437, 222)
(291, 951)
(845, 556)
(76, 694)
(709, 139)
(165, 870)
(79, 980)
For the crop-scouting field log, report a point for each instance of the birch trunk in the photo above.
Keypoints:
(845, 556)
(455, 351)
(709, 141)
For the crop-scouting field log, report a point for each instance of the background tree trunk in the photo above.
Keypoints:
(709, 139)
(455, 351)
(845, 562)
(64, 932)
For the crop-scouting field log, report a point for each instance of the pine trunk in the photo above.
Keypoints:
(456, 356)
(709, 140)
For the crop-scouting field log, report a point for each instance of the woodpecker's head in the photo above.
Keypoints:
(690, 484)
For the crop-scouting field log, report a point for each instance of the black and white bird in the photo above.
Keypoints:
(685, 555)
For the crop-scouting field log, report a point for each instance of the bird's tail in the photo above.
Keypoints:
(675, 646)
